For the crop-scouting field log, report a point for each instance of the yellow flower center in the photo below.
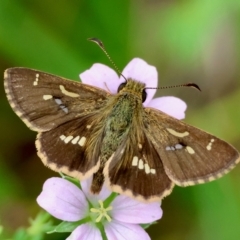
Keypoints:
(102, 212)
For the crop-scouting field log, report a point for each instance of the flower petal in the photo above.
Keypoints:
(128, 210)
(139, 70)
(125, 231)
(93, 198)
(173, 106)
(85, 232)
(102, 76)
(63, 200)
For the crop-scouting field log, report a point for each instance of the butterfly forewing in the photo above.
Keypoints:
(44, 101)
(189, 155)
(66, 113)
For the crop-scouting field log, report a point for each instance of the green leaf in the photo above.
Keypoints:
(40, 225)
(108, 200)
(68, 226)
(71, 179)
(20, 234)
(147, 225)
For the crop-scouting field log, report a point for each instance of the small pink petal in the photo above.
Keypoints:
(172, 106)
(63, 200)
(102, 76)
(85, 232)
(140, 71)
(125, 231)
(128, 210)
(93, 198)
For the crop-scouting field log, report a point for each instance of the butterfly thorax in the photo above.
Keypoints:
(133, 87)
(126, 107)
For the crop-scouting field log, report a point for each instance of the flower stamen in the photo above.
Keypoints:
(102, 212)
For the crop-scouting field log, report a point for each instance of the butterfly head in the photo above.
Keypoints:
(133, 87)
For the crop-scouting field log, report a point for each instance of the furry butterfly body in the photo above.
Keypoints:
(138, 151)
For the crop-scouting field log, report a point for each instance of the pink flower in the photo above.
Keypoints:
(101, 76)
(120, 217)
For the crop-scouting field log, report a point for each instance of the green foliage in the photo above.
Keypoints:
(66, 226)
(37, 229)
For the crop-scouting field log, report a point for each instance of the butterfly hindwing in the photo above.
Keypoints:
(66, 148)
(189, 155)
(44, 101)
(136, 169)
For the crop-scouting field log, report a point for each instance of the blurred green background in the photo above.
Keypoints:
(187, 40)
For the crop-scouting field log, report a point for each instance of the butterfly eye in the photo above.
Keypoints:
(121, 86)
(144, 95)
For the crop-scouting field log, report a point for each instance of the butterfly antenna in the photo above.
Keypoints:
(193, 85)
(100, 44)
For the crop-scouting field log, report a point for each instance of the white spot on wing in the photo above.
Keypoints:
(178, 146)
(47, 97)
(190, 150)
(153, 171)
(177, 134)
(147, 168)
(58, 101)
(140, 164)
(82, 141)
(64, 108)
(67, 93)
(62, 137)
(135, 161)
(173, 148)
(209, 146)
(140, 146)
(35, 83)
(75, 140)
(68, 139)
